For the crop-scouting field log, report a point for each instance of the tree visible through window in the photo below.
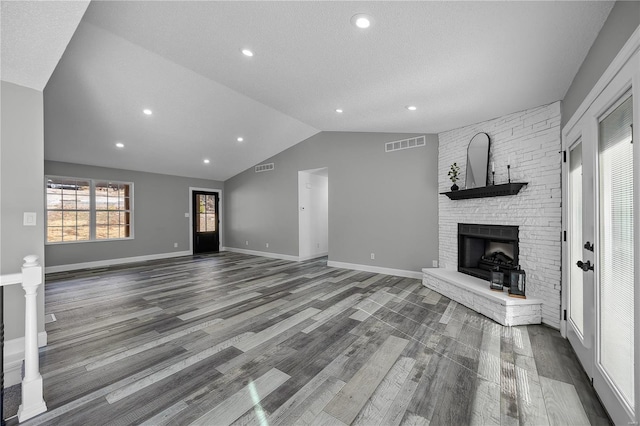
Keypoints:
(86, 210)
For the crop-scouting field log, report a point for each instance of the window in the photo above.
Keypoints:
(68, 210)
(206, 213)
(113, 210)
(88, 210)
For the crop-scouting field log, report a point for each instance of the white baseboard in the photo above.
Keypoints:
(13, 357)
(376, 269)
(262, 253)
(110, 262)
(312, 256)
(354, 266)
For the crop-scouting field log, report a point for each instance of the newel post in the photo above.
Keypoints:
(32, 400)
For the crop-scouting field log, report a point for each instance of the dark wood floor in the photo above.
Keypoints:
(237, 339)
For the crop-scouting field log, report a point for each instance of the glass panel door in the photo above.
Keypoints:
(615, 307)
(206, 222)
(600, 144)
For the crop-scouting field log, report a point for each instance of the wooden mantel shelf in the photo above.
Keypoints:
(486, 191)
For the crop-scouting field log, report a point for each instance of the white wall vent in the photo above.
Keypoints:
(405, 144)
(264, 167)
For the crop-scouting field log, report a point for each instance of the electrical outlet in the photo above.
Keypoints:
(435, 263)
(246, 243)
(317, 245)
(175, 245)
(267, 245)
(373, 256)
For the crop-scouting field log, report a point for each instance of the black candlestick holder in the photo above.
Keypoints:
(509, 172)
(493, 178)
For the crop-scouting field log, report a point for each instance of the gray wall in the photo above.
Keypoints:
(21, 180)
(385, 203)
(160, 202)
(621, 23)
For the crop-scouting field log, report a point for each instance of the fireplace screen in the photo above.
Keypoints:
(486, 248)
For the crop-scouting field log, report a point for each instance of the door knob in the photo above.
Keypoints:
(588, 246)
(585, 266)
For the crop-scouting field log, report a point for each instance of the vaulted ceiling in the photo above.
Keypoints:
(456, 62)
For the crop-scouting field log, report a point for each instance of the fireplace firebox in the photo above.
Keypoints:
(486, 248)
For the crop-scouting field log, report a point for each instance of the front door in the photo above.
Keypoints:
(599, 264)
(206, 222)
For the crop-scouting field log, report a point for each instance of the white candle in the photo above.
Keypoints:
(509, 160)
(493, 166)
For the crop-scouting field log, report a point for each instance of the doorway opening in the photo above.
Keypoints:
(313, 213)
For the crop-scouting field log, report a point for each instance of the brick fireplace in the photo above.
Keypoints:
(530, 142)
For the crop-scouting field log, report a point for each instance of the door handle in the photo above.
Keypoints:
(588, 246)
(585, 266)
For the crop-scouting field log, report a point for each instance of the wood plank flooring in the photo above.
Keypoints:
(235, 339)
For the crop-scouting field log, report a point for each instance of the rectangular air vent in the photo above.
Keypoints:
(405, 144)
(264, 167)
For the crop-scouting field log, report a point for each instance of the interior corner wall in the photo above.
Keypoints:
(622, 21)
(21, 186)
(530, 141)
(382, 203)
(159, 206)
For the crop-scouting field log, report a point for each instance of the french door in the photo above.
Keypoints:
(600, 283)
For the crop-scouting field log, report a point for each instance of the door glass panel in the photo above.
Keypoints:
(200, 218)
(616, 293)
(211, 222)
(206, 214)
(575, 232)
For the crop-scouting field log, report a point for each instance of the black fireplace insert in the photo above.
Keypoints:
(486, 248)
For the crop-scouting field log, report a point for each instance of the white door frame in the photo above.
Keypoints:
(221, 227)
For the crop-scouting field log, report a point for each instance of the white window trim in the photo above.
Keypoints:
(92, 211)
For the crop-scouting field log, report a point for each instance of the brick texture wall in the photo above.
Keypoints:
(530, 141)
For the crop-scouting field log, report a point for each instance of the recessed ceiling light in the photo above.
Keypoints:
(207, 161)
(240, 139)
(120, 145)
(147, 111)
(411, 107)
(361, 20)
(247, 52)
(339, 111)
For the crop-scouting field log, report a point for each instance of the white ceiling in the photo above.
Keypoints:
(34, 36)
(458, 62)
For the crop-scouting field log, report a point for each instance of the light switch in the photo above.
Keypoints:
(186, 215)
(29, 219)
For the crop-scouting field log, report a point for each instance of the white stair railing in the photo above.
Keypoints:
(30, 278)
